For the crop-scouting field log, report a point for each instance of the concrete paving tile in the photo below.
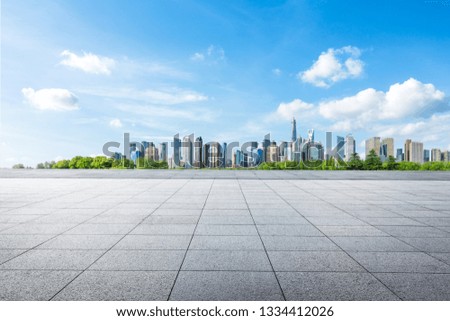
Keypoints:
(6, 255)
(398, 221)
(226, 286)
(22, 241)
(12, 219)
(289, 230)
(400, 262)
(429, 244)
(182, 211)
(225, 212)
(333, 221)
(238, 229)
(320, 261)
(214, 260)
(53, 260)
(366, 230)
(20, 285)
(171, 219)
(226, 219)
(119, 286)
(200, 242)
(154, 242)
(164, 229)
(140, 260)
(34, 228)
(288, 211)
(100, 229)
(435, 221)
(81, 242)
(298, 243)
(285, 220)
(371, 243)
(333, 286)
(413, 231)
(443, 257)
(418, 286)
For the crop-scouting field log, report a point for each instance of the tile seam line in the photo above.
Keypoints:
(264, 246)
(190, 241)
(85, 269)
(290, 182)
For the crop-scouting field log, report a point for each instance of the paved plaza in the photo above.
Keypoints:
(224, 235)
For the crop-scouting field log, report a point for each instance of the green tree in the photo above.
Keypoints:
(390, 163)
(373, 162)
(40, 166)
(64, 163)
(18, 166)
(355, 162)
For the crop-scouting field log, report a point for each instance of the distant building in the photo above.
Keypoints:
(311, 135)
(312, 151)
(283, 152)
(436, 155)
(399, 156)
(198, 153)
(273, 152)
(328, 145)
(426, 155)
(163, 152)
(373, 143)
(416, 150)
(187, 155)
(340, 142)
(445, 157)
(350, 147)
(407, 150)
(387, 148)
(294, 130)
(151, 152)
(212, 153)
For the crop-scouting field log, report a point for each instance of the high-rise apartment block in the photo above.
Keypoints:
(436, 155)
(373, 143)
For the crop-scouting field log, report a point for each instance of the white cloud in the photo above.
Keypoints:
(198, 57)
(289, 110)
(330, 67)
(163, 96)
(213, 54)
(405, 99)
(51, 99)
(88, 62)
(115, 123)
(277, 72)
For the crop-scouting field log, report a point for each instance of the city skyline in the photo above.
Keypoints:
(77, 74)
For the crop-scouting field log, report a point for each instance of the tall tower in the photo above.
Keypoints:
(294, 130)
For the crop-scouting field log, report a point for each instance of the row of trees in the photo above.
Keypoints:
(372, 162)
(101, 162)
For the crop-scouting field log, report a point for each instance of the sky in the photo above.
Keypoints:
(77, 74)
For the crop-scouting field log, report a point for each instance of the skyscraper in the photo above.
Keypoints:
(350, 147)
(373, 143)
(426, 155)
(435, 155)
(407, 149)
(163, 152)
(389, 146)
(186, 152)
(417, 152)
(400, 157)
(198, 152)
(294, 130)
(414, 151)
(311, 135)
(445, 157)
(328, 145)
(340, 147)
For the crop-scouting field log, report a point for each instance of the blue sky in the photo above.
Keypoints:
(76, 74)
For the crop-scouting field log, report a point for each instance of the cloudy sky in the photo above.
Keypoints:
(76, 74)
